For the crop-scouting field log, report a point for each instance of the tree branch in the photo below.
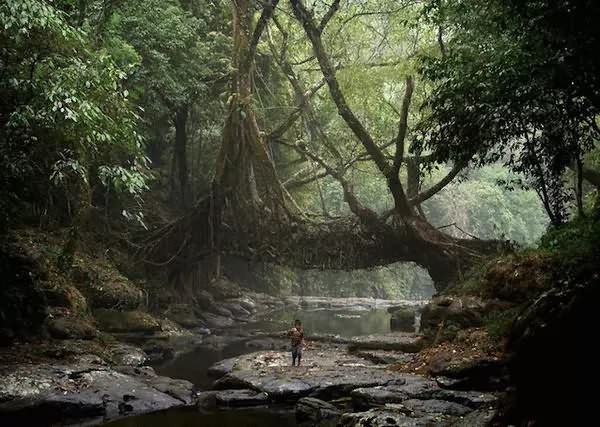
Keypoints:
(403, 125)
(258, 30)
(333, 8)
(434, 189)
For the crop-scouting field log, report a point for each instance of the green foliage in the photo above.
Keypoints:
(65, 116)
(579, 238)
(499, 323)
(501, 91)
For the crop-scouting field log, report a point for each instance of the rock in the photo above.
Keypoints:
(68, 297)
(185, 315)
(104, 287)
(247, 304)
(126, 321)
(222, 311)
(206, 399)
(159, 351)
(402, 319)
(204, 300)
(409, 387)
(241, 398)
(44, 394)
(316, 412)
(71, 328)
(390, 416)
(215, 321)
(222, 368)
(405, 387)
(126, 355)
(408, 343)
(476, 419)
(236, 309)
(326, 375)
(435, 407)
(384, 357)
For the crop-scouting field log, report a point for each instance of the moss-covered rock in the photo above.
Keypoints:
(126, 321)
(66, 296)
(185, 315)
(105, 287)
(71, 327)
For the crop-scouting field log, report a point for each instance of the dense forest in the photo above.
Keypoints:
(160, 157)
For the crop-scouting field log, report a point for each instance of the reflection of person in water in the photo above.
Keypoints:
(296, 335)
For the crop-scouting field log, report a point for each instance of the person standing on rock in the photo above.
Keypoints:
(296, 335)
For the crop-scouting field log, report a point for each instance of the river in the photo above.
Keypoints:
(193, 366)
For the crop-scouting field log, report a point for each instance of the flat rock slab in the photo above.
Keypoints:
(416, 387)
(395, 341)
(328, 374)
(43, 393)
(392, 416)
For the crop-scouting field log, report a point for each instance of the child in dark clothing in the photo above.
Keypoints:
(296, 335)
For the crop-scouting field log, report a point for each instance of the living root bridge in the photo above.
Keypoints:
(339, 244)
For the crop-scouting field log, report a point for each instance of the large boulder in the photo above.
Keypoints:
(126, 321)
(47, 394)
(71, 327)
(185, 315)
(104, 287)
(66, 296)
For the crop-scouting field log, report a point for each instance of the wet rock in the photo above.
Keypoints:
(409, 387)
(247, 304)
(222, 368)
(185, 315)
(221, 310)
(241, 398)
(435, 407)
(159, 351)
(326, 375)
(42, 394)
(215, 321)
(236, 309)
(405, 387)
(71, 327)
(206, 399)
(390, 416)
(316, 412)
(126, 355)
(476, 419)
(126, 321)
